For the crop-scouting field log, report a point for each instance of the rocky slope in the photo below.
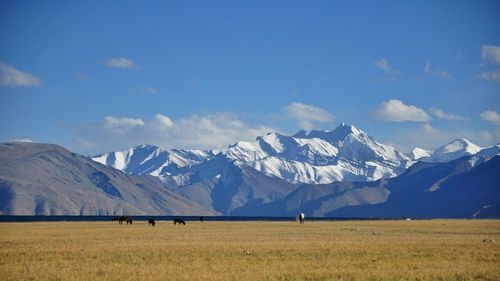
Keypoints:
(44, 179)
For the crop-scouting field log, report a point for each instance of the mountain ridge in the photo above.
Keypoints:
(42, 179)
(46, 179)
(453, 150)
(316, 157)
(345, 153)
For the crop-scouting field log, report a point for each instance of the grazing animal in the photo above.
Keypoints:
(122, 219)
(301, 217)
(179, 221)
(151, 222)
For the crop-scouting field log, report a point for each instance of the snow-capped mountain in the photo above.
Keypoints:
(64, 183)
(152, 160)
(316, 157)
(345, 153)
(448, 152)
(420, 153)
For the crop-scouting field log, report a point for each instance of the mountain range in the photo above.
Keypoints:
(343, 172)
(316, 157)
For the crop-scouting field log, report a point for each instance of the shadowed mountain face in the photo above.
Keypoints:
(464, 188)
(231, 189)
(43, 179)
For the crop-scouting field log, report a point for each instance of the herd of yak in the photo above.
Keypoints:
(151, 221)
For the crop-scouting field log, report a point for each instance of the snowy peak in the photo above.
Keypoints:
(459, 145)
(245, 151)
(448, 152)
(344, 130)
(274, 143)
(419, 153)
(334, 137)
(354, 144)
(151, 159)
(346, 153)
(454, 150)
(315, 151)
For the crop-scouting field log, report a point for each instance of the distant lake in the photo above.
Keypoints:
(166, 218)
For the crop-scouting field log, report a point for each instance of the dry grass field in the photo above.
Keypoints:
(351, 250)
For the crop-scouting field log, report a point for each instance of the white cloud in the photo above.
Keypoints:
(9, 76)
(491, 75)
(163, 121)
(150, 90)
(490, 54)
(81, 76)
(306, 115)
(122, 124)
(491, 116)
(436, 72)
(384, 65)
(490, 57)
(396, 111)
(22, 140)
(427, 128)
(120, 63)
(432, 138)
(440, 114)
(216, 130)
(489, 138)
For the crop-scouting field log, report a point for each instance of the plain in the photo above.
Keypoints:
(328, 250)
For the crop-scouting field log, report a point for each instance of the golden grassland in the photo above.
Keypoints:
(348, 250)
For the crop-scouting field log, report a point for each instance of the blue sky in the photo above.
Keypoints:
(95, 76)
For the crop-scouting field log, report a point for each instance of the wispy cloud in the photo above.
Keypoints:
(307, 115)
(122, 124)
(490, 56)
(150, 90)
(440, 114)
(429, 137)
(436, 72)
(81, 76)
(491, 116)
(22, 140)
(120, 63)
(216, 130)
(435, 137)
(9, 76)
(386, 67)
(491, 75)
(163, 121)
(396, 111)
